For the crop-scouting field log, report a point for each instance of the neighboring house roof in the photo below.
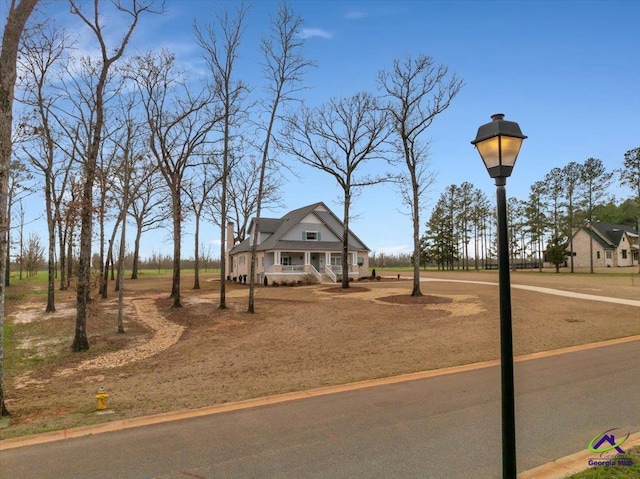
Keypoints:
(277, 229)
(609, 235)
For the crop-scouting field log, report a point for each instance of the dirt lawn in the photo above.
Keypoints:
(299, 338)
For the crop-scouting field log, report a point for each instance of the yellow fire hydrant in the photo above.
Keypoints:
(102, 398)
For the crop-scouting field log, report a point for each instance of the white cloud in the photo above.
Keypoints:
(315, 32)
(355, 15)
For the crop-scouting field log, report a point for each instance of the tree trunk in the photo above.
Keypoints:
(120, 282)
(345, 242)
(223, 218)
(62, 258)
(104, 262)
(51, 262)
(136, 250)
(177, 226)
(415, 216)
(15, 22)
(80, 341)
(104, 270)
(69, 257)
(123, 237)
(196, 266)
(7, 266)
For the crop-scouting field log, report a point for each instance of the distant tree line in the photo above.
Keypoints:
(460, 232)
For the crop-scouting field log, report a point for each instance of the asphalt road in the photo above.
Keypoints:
(440, 427)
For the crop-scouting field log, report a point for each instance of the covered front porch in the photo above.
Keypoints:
(325, 266)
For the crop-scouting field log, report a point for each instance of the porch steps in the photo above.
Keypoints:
(326, 279)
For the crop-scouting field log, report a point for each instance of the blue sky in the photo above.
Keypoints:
(567, 71)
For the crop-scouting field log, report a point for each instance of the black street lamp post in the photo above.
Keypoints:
(499, 143)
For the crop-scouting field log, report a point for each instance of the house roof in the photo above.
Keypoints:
(277, 228)
(609, 235)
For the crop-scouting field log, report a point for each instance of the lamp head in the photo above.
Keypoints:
(498, 143)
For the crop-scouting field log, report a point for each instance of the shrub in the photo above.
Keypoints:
(310, 279)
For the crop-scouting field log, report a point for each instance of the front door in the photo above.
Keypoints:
(315, 261)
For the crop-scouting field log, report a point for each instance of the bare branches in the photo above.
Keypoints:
(338, 138)
(417, 92)
(220, 46)
(100, 70)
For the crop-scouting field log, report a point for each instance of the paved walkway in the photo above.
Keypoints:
(539, 289)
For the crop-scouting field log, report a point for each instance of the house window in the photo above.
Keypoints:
(624, 254)
(312, 235)
(608, 254)
(242, 260)
(598, 254)
(336, 260)
(285, 260)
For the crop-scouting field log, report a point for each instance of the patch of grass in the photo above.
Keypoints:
(14, 295)
(9, 334)
(614, 472)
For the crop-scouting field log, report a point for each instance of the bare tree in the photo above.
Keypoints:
(68, 222)
(108, 57)
(17, 17)
(147, 206)
(33, 255)
(283, 68)
(220, 45)
(340, 138)
(242, 195)
(42, 50)
(179, 124)
(198, 189)
(630, 176)
(128, 145)
(18, 188)
(418, 91)
(109, 202)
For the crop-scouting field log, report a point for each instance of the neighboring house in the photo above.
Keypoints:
(306, 241)
(613, 245)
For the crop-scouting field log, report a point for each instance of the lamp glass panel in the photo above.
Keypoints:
(489, 150)
(510, 149)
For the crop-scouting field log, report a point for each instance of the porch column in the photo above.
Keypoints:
(307, 258)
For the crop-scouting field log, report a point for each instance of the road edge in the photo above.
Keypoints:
(565, 466)
(285, 397)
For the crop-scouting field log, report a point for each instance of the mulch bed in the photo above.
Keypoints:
(350, 289)
(408, 299)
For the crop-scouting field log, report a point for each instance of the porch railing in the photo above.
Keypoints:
(328, 269)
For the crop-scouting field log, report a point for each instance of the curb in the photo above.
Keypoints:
(565, 466)
(557, 469)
